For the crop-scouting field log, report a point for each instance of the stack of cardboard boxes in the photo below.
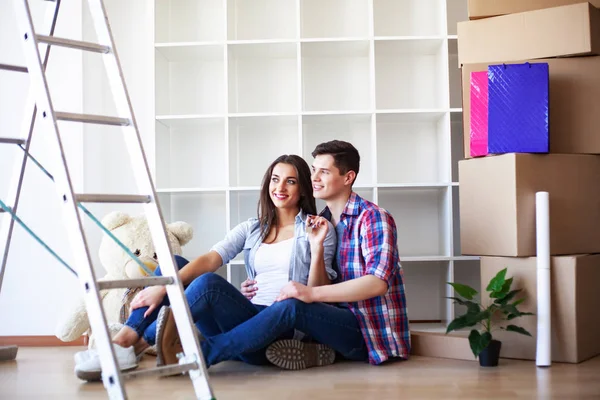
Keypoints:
(497, 191)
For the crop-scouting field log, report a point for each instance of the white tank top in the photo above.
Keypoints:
(272, 265)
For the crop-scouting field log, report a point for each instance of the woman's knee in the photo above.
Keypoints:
(208, 280)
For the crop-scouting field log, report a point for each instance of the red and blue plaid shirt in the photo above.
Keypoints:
(368, 246)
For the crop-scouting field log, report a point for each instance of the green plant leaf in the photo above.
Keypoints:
(478, 341)
(497, 282)
(516, 303)
(507, 297)
(464, 290)
(472, 307)
(513, 316)
(468, 320)
(518, 329)
(504, 290)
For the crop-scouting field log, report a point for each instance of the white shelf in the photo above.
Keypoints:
(248, 162)
(422, 220)
(178, 147)
(239, 83)
(189, 20)
(335, 76)
(420, 153)
(261, 19)
(334, 18)
(263, 78)
(409, 74)
(409, 17)
(204, 211)
(355, 129)
(190, 80)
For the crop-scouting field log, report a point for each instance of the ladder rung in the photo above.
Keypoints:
(15, 68)
(8, 140)
(91, 119)
(112, 198)
(162, 371)
(135, 283)
(74, 44)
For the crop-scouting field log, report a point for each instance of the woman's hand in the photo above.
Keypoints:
(150, 297)
(295, 290)
(316, 229)
(248, 289)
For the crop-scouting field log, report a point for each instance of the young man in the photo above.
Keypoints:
(369, 319)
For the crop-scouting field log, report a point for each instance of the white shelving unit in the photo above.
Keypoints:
(240, 82)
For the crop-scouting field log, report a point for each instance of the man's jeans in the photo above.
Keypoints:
(327, 324)
(236, 329)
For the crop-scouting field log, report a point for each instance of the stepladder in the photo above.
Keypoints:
(41, 117)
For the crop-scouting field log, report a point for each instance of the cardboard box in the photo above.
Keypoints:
(553, 32)
(575, 303)
(574, 126)
(455, 345)
(497, 203)
(491, 8)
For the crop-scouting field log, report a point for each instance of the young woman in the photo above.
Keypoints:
(277, 249)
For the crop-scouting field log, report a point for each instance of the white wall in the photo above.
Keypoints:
(37, 289)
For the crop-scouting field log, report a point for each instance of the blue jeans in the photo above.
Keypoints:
(327, 324)
(216, 307)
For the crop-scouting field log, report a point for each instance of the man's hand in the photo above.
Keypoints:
(150, 297)
(248, 289)
(316, 229)
(295, 290)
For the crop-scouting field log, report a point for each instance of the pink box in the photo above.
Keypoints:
(479, 114)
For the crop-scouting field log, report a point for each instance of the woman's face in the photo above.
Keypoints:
(284, 188)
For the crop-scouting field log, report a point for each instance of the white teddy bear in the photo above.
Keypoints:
(134, 233)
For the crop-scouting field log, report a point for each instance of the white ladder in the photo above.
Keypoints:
(39, 101)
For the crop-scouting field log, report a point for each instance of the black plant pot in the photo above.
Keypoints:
(490, 355)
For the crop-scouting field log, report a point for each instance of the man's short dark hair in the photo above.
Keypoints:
(345, 155)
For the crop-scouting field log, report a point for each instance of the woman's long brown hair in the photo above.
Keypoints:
(267, 212)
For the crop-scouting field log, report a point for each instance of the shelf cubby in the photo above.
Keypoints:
(277, 135)
(261, 19)
(409, 17)
(421, 219)
(190, 80)
(180, 142)
(353, 128)
(334, 18)
(335, 76)
(412, 148)
(409, 74)
(263, 78)
(189, 21)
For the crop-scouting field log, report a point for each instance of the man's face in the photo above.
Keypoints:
(327, 182)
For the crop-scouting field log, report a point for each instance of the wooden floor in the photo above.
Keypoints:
(47, 373)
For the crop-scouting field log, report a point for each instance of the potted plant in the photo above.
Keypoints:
(501, 308)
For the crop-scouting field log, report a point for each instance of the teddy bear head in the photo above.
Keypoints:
(134, 233)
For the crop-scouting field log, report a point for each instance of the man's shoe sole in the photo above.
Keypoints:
(295, 355)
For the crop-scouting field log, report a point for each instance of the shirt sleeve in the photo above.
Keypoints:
(378, 244)
(329, 247)
(234, 241)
